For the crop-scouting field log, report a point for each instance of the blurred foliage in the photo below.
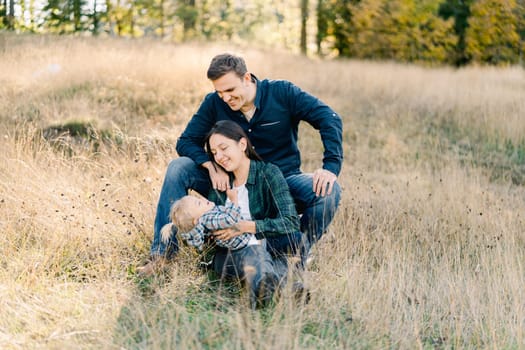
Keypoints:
(492, 33)
(401, 30)
(425, 31)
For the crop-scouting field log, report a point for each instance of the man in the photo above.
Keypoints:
(269, 111)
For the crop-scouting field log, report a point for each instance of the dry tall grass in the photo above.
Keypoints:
(427, 247)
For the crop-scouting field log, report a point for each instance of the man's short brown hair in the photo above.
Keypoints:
(226, 63)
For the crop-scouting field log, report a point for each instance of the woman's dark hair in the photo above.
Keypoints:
(225, 63)
(232, 131)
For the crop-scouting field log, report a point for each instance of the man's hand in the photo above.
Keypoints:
(218, 177)
(323, 182)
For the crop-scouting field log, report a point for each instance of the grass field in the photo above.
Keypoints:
(427, 250)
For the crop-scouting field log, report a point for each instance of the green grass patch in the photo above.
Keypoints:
(502, 159)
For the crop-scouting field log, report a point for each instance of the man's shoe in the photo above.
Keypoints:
(154, 265)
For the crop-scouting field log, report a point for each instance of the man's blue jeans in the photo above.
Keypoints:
(184, 174)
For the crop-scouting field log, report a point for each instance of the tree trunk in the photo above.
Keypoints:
(304, 20)
(189, 20)
(162, 20)
(11, 15)
(32, 23)
(77, 14)
(95, 18)
(109, 16)
(132, 20)
(322, 25)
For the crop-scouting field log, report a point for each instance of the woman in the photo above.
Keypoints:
(267, 209)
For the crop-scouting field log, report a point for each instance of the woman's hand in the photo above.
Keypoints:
(236, 230)
(218, 177)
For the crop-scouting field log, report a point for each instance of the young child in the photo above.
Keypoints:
(196, 217)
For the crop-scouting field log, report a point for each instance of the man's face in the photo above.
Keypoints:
(233, 90)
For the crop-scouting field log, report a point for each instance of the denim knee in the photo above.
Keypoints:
(182, 174)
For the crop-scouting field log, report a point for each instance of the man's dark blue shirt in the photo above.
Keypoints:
(273, 128)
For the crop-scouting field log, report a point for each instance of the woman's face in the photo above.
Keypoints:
(228, 153)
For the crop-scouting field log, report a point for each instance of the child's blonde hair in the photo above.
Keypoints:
(181, 218)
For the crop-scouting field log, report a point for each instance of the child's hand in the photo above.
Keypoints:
(232, 195)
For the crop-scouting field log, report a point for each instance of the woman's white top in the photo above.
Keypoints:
(244, 203)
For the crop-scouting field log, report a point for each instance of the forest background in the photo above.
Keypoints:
(432, 32)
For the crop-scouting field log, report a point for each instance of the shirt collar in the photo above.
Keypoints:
(257, 101)
(251, 175)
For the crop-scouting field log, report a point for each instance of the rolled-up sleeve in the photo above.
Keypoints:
(309, 108)
(283, 217)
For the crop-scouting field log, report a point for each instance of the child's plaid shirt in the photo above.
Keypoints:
(218, 218)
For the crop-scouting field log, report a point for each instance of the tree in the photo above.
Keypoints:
(323, 18)
(66, 16)
(77, 14)
(9, 14)
(342, 24)
(188, 13)
(154, 17)
(304, 20)
(95, 19)
(120, 17)
(520, 15)
(334, 25)
(220, 20)
(492, 35)
(55, 17)
(459, 10)
(402, 30)
(3, 13)
(27, 22)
